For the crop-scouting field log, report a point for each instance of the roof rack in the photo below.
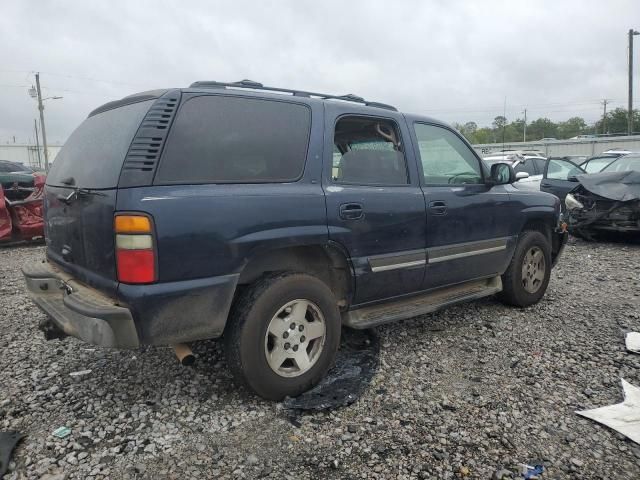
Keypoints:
(250, 84)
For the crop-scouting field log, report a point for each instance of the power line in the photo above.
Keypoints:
(79, 77)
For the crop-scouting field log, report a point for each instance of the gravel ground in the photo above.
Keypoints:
(459, 393)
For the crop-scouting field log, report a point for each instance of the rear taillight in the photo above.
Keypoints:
(135, 249)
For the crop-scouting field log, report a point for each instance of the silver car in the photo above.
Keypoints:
(529, 168)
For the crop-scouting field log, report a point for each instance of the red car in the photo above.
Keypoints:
(21, 194)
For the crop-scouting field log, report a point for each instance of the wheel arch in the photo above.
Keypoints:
(329, 262)
(539, 219)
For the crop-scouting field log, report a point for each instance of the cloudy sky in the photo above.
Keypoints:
(452, 60)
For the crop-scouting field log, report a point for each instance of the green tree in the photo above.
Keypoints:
(499, 122)
(542, 128)
(572, 127)
(469, 128)
(484, 135)
(617, 121)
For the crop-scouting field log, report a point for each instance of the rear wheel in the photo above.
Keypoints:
(283, 335)
(526, 279)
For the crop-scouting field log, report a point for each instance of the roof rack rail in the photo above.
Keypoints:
(250, 84)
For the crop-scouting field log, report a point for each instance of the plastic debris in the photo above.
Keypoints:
(80, 373)
(632, 341)
(531, 472)
(356, 364)
(8, 441)
(622, 417)
(62, 432)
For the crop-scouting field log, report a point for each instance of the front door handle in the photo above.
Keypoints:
(438, 207)
(351, 211)
(545, 184)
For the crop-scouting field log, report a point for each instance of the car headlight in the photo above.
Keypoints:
(572, 203)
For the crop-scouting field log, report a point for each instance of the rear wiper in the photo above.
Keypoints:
(68, 199)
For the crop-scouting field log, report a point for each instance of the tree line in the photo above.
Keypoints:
(502, 130)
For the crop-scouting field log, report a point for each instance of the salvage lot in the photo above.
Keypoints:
(469, 389)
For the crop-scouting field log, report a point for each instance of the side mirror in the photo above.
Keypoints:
(521, 176)
(502, 174)
(572, 178)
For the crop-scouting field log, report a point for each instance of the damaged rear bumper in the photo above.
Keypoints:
(80, 311)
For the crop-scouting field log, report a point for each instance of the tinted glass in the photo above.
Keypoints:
(367, 152)
(540, 164)
(218, 139)
(94, 153)
(526, 166)
(562, 170)
(624, 164)
(445, 158)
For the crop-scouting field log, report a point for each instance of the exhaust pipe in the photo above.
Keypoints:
(184, 354)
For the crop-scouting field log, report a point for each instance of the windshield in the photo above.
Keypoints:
(596, 164)
(624, 164)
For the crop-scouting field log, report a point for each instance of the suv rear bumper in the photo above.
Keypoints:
(80, 311)
(155, 314)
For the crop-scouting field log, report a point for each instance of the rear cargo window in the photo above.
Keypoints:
(219, 139)
(92, 157)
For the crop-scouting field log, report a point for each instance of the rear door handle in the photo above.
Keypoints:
(438, 207)
(351, 211)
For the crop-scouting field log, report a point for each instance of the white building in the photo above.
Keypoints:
(28, 154)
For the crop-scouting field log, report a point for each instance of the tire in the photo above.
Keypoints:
(273, 304)
(525, 284)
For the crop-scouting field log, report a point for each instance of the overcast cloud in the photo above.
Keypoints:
(452, 60)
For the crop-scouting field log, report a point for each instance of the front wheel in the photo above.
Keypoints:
(283, 335)
(526, 280)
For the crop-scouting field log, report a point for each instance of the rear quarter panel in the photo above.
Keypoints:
(211, 230)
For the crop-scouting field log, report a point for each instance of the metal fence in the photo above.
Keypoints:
(560, 148)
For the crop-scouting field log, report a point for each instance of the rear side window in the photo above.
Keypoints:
(525, 166)
(540, 164)
(93, 155)
(218, 139)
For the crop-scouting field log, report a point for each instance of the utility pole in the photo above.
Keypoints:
(44, 133)
(604, 116)
(632, 32)
(35, 126)
(524, 139)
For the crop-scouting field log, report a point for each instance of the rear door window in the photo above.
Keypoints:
(367, 151)
(224, 139)
(93, 155)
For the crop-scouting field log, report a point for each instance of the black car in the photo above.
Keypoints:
(271, 218)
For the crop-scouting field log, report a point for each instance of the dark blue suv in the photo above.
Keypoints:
(271, 218)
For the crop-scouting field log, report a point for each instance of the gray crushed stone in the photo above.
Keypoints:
(465, 392)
